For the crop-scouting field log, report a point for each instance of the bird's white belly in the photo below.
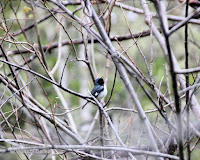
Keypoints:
(102, 94)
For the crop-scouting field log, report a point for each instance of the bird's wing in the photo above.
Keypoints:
(96, 90)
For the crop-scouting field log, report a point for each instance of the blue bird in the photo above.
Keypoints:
(99, 91)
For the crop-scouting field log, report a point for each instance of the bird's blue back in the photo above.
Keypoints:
(96, 90)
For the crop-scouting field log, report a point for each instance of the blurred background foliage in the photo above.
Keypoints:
(76, 74)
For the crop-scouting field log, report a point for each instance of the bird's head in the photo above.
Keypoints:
(99, 81)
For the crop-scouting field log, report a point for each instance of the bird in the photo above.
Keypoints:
(99, 91)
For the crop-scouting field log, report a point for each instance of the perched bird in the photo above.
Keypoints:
(99, 91)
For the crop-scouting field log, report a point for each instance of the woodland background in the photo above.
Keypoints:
(51, 51)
